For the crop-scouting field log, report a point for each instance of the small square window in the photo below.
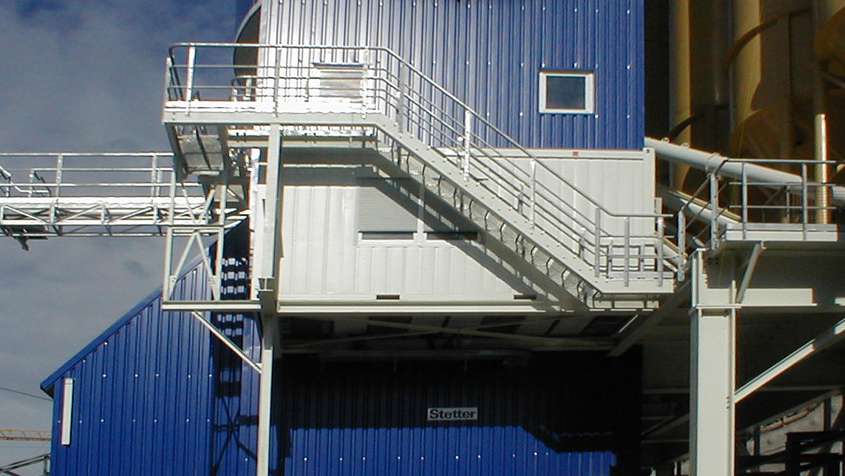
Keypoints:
(567, 92)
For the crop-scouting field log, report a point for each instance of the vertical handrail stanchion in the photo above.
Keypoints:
(154, 176)
(744, 185)
(533, 188)
(467, 138)
(155, 189)
(400, 108)
(659, 250)
(277, 60)
(804, 204)
(168, 80)
(189, 80)
(714, 209)
(627, 251)
(682, 244)
(597, 243)
(60, 161)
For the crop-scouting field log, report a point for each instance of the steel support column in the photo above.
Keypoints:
(712, 376)
(269, 332)
(267, 253)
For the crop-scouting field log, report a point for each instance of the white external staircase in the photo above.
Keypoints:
(335, 93)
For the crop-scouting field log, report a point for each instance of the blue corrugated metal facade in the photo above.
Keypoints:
(551, 416)
(156, 394)
(144, 406)
(490, 52)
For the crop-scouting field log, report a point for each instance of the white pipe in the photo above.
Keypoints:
(711, 162)
(677, 200)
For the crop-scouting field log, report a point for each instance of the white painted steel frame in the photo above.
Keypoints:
(107, 199)
(712, 376)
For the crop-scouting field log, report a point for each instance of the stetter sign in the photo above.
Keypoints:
(452, 414)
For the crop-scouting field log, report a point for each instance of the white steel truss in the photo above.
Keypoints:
(91, 194)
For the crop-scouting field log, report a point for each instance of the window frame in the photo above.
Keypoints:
(589, 90)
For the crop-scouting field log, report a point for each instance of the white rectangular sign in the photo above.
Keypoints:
(452, 414)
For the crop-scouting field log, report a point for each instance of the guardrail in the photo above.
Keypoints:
(80, 194)
(88, 174)
(720, 198)
(367, 80)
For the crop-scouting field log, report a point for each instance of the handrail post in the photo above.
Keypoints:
(659, 250)
(714, 209)
(597, 242)
(153, 176)
(277, 60)
(400, 108)
(467, 138)
(804, 205)
(60, 160)
(533, 188)
(627, 250)
(155, 190)
(189, 81)
(682, 244)
(744, 184)
(168, 79)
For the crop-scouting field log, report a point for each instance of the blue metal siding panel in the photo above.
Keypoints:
(149, 399)
(489, 53)
(359, 419)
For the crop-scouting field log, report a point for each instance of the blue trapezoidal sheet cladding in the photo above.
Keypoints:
(489, 53)
(564, 415)
(156, 394)
(141, 399)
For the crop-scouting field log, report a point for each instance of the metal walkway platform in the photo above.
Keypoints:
(107, 194)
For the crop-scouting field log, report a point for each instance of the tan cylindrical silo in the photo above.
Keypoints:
(680, 98)
(745, 70)
(829, 22)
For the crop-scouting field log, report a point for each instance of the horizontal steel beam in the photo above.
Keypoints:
(211, 306)
(568, 343)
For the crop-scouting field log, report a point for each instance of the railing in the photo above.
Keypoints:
(88, 174)
(134, 191)
(371, 80)
(722, 201)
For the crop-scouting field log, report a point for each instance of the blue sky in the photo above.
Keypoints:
(80, 75)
